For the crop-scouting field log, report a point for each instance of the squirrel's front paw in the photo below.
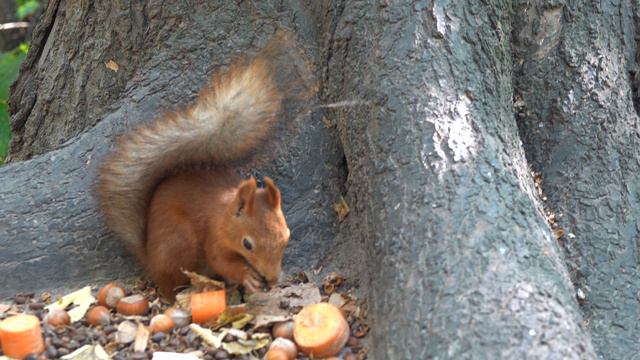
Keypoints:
(253, 282)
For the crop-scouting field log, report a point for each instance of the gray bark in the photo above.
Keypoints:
(576, 63)
(444, 205)
(51, 232)
(447, 236)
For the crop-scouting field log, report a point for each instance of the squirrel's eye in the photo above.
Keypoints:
(247, 243)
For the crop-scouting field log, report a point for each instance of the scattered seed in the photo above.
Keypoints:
(184, 330)
(139, 356)
(65, 339)
(221, 354)
(36, 306)
(157, 337)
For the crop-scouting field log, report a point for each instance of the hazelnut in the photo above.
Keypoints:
(99, 315)
(57, 317)
(109, 295)
(286, 345)
(161, 323)
(133, 305)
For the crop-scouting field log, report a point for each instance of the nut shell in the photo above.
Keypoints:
(276, 354)
(99, 315)
(286, 345)
(110, 295)
(180, 317)
(283, 329)
(57, 317)
(161, 323)
(133, 305)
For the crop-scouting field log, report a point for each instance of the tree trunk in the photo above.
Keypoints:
(447, 236)
(576, 66)
(443, 200)
(54, 233)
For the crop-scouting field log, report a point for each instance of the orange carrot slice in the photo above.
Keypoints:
(320, 330)
(21, 336)
(207, 305)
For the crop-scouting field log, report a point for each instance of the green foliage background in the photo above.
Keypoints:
(26, 8)
(9, 67)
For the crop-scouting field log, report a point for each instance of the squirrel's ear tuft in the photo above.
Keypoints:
(273, 194)
(246, 197)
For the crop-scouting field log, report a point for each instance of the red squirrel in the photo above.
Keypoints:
(172, 191)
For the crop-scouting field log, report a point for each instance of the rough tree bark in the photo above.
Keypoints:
(51, 233)
(445, 218)
(444, 203)
(576, 68)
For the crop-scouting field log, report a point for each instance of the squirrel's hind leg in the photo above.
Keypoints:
(172, 245)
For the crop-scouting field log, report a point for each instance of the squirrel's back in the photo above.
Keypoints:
(230, 124)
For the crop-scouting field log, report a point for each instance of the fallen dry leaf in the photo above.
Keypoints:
(337, 300)
(328, 288)
(237, 333)
(558, 233)
(78, 296)
(234, 298)
(4, 308)
(88, 352)
(127, 331)
(142, 338)
(362, 353)
(260, 336)
(350, 308)
(334, 278)
(299, 277)
(242, 322)
(361, 330)
(242, 347)
(162, 355)
(236, 309)
(229, 317)
(362, 310)
(82, 299)
(341, 208)
(112, 65)
(211, 338)
(327, 123)
(183, 299)
(267, 320)
(331, 282)
(203, 283)
(45, 297)
(79, 311)
(295, 296)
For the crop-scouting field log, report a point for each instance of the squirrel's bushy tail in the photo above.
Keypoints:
(229, 124)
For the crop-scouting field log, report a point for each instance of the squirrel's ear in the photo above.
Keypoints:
(273, 194)
(246, 197)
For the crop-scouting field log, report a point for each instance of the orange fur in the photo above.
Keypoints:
(199, 219)
(170, 192)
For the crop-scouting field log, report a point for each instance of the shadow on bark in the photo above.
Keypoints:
(446, 237)
(580, 130)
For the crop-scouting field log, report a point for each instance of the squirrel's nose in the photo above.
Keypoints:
(273, 279)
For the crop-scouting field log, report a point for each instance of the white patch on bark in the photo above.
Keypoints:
(460, 134)
(438, 12)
